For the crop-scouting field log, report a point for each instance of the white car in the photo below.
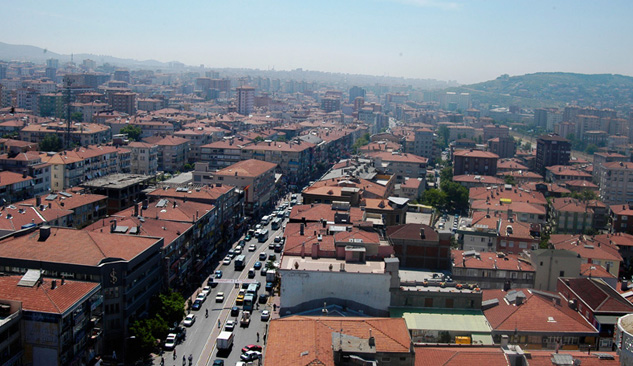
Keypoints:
(229, 325)
(265, 315)
(238, 250)
(206, 290)
(190, 319)
(201, 297)
(252, 248)
(250, 355)
(170, 341)
(219, 297)
(226, 261)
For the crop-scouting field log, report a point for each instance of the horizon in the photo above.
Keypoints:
(452, 41)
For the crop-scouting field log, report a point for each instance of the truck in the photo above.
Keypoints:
(225, 340)
(270, 275)
(245, 320)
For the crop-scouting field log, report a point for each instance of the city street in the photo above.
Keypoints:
(200, 341)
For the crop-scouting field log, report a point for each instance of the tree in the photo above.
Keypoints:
(258, 139)
(508, 179)
(456, 194)
(443, 134)
(77, 117)
(51, 142)
(189, 166)
(172, 307)
(591, 149)
(446, 175)
(132, 132)
(544, 243)
(360, 142)
(434, 198)
(281, 138)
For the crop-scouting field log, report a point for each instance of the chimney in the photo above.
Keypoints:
(135, 209)
(301, 228)
(315, 250)
(45, 232)
(112, 225)
(53, 284)
(174, 203)
(63, 280)
(422, 234)
(625, 285)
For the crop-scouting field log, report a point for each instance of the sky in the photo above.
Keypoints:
(466, 41)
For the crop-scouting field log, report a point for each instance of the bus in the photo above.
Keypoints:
(249, 300)
(265, 220)
(276, 223)
(252, 290)
(263, 236)
(239, 262)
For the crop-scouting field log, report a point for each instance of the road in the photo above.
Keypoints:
(201, 336)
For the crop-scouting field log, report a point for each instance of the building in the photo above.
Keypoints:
(15, 187)
(82, 134)
(85, 207)
(590, 250)
(412, 188)
(400, 165)
(493, 131)
(505, 147)
(330, 104)
(569, 215)
(562, 173)
(624, 339)
(339, 341)
(614, 182)
(492, 270)
(29, 163)
(122, 190)
(550, 264)
(245, 99)
(621, 218)
(420, 246)
(551, 150)
(424, 143)
(144, 158)
(172, 152)
(470, 181)
(256, 178)
(474, 162)
(48, 307)
(601, 158)
(128, 283)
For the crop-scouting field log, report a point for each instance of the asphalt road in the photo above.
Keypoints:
(201, 336)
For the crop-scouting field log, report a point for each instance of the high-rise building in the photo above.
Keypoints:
(122, 75)
(540, 117)
(124, 102)
(355, 92)
(52, 62)
(245, 99)
(551, 150)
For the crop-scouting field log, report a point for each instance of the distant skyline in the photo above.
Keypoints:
(466, 41)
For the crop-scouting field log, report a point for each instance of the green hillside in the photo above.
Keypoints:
(555, 89)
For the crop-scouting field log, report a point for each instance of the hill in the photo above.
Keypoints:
(555, 89)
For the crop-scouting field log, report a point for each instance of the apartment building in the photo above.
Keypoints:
(474, 162)
(144, 158)
(616, 182)
(82, 134)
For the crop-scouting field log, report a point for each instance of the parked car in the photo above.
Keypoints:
(189, 320)
(248, 237)
(277, 239)
(170, 341)
(201, 297)
(226, 261)
(218, 363)
(242, 243)
(218, 274)
(196, 305)
(263, 298)
(205, 291)
(252, 347)
(250, 356)
(263, 271)
(265, 315)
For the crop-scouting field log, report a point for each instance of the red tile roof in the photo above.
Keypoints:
(544, 358)
(318, 211)
(598, 295)
(41, 298)
(460, 356)
(475, 154)
(300, 340)
(10, 178)
(586, 247)
(247, 168)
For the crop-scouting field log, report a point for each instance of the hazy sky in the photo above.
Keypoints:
(467, 41)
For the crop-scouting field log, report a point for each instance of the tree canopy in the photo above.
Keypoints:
(132, 132)
(51, 142)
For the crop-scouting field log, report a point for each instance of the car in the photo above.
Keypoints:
(237, 250)
(242, 243)
(271, 246)
(170, 341)
(251, 273)
(252, 248)
(196, 305)
(218, 363)
(235, 311)
(265, 315)
(257, 265)
(240, 297)
(263, 271)
(189, 320)
(262, 256)
(218, 274)
(248, 237)
(250, 356)
(211, 283)
(231, 254)
(226, 261)
(272, 257)
(277, 239)
(206, 290)
(287, 214)
(201, 297)
(278, 248)
(219, 297)
(269, 286)
(258, 227)
(229, 325)
(263, 298)
(252, 347)
(259, 284)
(180, 333)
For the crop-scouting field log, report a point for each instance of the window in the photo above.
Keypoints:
(561, 274)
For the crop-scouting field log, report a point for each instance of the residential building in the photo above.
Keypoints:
(492, 270)
(172, 152)
(245, 99)
(122, 190)
(605, 254)
(569, 215)
(470, 181)
(29, 163)
(82, 134)
(474, 162)
(551, 150)
(615, 182)
(495, 131)
(505, 147)
(600, 158)
(15, 187)
(128, 283)
(420, 246)
(61, 320)
(412, 188)
(144, 158)
(621, 218)
(400, 165)
(85, 207)
(424, 143)
(561, 174)
(551, 264)
(387, 212)
(337, 341)
(256, 178)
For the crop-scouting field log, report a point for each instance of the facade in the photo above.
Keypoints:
(420, 246)
(590, 250)
(569, 215)
(256, 178)
(505, 147)
(551, 150)
(621, 218)
(624, 339)
(172, 153)
(550, 264)
(122, 190)
(474, 162)
(492, 270)
(144, 158)
(615, 183)
(15, 187)
(128, 283)
(245, 99)
(424, 143)
(400, 165)
(82, 134)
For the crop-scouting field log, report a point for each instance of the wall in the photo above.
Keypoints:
(307, 290)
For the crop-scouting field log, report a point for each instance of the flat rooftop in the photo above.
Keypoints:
(117, 181)
(323, 264)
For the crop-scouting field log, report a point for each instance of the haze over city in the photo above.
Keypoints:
(445, 40)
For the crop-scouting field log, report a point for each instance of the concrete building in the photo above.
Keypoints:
(124, 102)
(474, 162)
(245, 99)
(505, 147)
(550, 264)
(122, 190)
(400, 165)
(424, 143)
(172, 152)
(615, 178)
(420, 246)
(551, 150)
(82, 134)
(492, 270)
(144, 158)
(15, 187)
(624, 339)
